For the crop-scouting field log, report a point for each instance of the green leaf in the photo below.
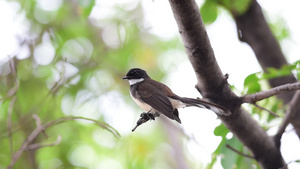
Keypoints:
(241, 6)
(280, 29)
(297, 161)
(209, 12)
(285, 70)
(251, 84)
(235, 6)
(230, 157)
(222, 131)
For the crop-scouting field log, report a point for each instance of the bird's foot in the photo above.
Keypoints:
(144, 117)
(147, 116)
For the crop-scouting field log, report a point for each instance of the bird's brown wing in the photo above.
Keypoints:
(156, 99)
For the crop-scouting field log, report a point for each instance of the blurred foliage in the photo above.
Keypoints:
(280, 29)
(253, 83)
(70, 60)
(285, 70)
(209, 11)
(229, 158)
(238, 7)
(258, 82)
(210, 8)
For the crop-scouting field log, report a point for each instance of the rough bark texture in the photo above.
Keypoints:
(254, 30)
(212, 85)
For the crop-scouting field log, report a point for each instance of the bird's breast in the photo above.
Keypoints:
(146, 107)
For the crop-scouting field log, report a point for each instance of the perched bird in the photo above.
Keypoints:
(156, 98)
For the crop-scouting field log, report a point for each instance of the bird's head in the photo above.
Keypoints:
(136, 73)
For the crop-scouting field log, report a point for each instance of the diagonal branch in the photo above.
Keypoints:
(252, 98)
(40, 128)
(238, 152)
(9, 124)
(269, 111)
(29, 139)
(39, 145)
(290, 113)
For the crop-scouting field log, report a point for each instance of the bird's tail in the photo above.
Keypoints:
(220, 110)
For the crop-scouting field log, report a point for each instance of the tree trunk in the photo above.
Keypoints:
(212, 85)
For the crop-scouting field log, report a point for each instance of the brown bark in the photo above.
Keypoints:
(252, 98)
(212, 85)
(254, 30)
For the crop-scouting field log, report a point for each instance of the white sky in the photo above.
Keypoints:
(227, 49)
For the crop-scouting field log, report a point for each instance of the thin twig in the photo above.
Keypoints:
(9, 124)
(11, 93)
(99, 123)
(29, 139)
(39, 124)
(274, 114)
(238, 152)
(60, 81)
(13, 69)
(288, 116)
(39, 145)
(252, 98)
(41, 128)
(293, 161)
(37, 120)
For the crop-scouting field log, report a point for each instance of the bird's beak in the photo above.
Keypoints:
(126, 77)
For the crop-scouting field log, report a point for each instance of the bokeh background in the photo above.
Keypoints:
(66, 59)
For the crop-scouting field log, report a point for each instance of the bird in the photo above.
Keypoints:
(157, 98)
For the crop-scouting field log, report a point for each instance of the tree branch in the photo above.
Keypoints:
(39, 145)
(13, 69)
(238, 152)
(290, 113)
(40, 128)
(293, 161)
(211, 85)
(9, 114)
(29, 139)
(269, 111)
(252, 98)
(255, 31)
(198, 48)
(10, 93)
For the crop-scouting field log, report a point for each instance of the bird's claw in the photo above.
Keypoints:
(147, 116)
(144, 118)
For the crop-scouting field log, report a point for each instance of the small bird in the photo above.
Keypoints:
(156, 98)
